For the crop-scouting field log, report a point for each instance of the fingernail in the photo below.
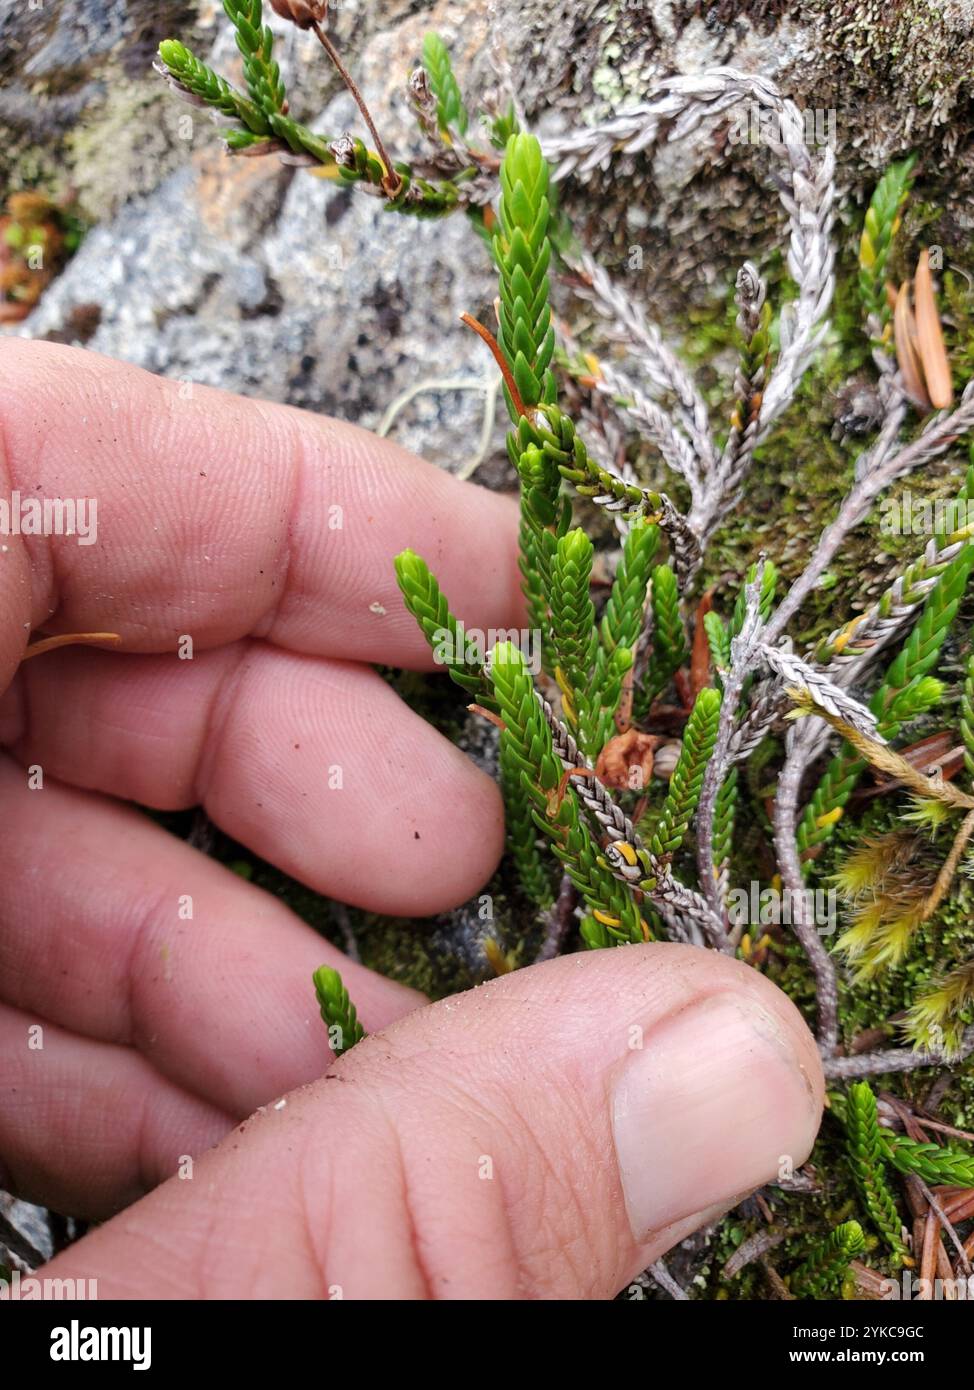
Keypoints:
(712, 1105)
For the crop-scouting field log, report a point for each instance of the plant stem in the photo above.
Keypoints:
(392, 182)
(893, 1059)
(558, 920)
(71, 639)
(939, 435)
(499, 358)
(947, 1225)
(823, 967)
(949, 867)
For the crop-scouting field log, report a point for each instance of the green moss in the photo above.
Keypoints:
(405, 950)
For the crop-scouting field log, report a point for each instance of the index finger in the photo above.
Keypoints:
(218, 517)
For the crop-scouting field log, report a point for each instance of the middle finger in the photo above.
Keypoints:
(95, 936)
(314, 764)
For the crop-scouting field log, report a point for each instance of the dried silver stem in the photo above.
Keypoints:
(890, 1060)
(743, 648)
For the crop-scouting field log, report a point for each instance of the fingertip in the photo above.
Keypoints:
(321, 767)
(446, 838)
(712, 1105)
(477, 849)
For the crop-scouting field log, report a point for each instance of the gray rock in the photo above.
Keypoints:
(245, 275)
(248, 276)
(25, 1233)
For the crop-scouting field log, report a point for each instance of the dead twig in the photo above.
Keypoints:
(558, 921)
(752, 1249)
(391, 182)
(662, 1276)
(947, 1225)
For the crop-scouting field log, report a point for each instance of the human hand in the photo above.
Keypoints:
(547, 1135)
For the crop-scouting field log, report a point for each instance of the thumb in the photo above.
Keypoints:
(547, 1135)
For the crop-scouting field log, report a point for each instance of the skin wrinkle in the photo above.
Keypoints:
(43, 552)
(25, 709)
(454, 1111)
(508, 1259)
(536, 1267)
(297, 1191)
(154, 435)
(506, 1122)
(311, 1202)
(154, 1136)
(377, 488)
(473, 1118)
(110, 722)
(542, 1208)
(140, 969)
(304, 465)
(458, 1111)
(44, 604)
(211, 1265)
(470, 1113)
(559, 1207)
(281, 465)
(219, 711)
(265, 627)
(143, 1167)
(416, 1243)
(209, 1242)
(26, 577)
(345, 1198)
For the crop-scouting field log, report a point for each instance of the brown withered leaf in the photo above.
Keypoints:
(871, 1284)
(303, 13)
(626, 761)
(700, 656)
(935, 751)
(929, 337)
(904, 335)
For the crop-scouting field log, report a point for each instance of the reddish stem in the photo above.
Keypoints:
(499, 358)
(392, 182)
